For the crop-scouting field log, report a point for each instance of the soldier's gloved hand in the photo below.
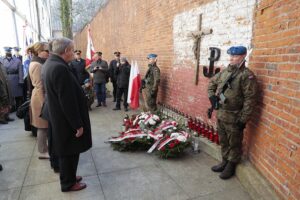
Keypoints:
(213, 100)
(241, 125)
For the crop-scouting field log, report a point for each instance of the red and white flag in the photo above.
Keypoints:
(90, 51)
(133, 98)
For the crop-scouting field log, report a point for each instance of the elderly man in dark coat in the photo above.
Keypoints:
(68, 113)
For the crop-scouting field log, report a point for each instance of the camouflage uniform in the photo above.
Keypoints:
(4, 94)
(240, 102)
(152, 79)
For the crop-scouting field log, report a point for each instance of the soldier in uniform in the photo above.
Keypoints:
(113, 65)
(236, 101)
(150, 83)
(4, 97)
(17, 54)
(78, 64)
(14, 71)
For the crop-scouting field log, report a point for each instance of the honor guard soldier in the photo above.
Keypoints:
(113, 66)
(14, 70)
(150, 83)
(232, 92)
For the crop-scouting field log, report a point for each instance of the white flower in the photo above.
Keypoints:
(181, 138)
(151, 121)
(174, 135)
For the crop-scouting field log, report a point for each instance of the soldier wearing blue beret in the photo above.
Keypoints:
(234, 99)
(150, 83)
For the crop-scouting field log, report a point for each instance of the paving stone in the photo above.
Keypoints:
(16, 150)
(231, 194)
(51, 191)
(40, 172)
(147, 182)
(108, 160)
(12, 194)
(13, 173)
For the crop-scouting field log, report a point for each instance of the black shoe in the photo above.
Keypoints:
(1, 168)
(98, 105)
(220, 167)
(117, 109)
(7, 118)
(126, 109)
(56, 170)
(229, 171)
(3, 122)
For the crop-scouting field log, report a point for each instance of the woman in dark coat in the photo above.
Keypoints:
(68, 113)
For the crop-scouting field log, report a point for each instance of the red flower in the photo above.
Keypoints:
(163, 148)
(172, 145)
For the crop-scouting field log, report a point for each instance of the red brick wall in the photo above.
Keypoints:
(272, 141)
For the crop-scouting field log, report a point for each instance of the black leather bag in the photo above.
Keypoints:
(23, 109)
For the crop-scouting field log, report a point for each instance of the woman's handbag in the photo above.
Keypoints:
(23, 109)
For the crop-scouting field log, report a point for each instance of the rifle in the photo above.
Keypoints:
(226, 84)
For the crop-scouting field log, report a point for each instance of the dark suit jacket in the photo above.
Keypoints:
(67, 108)
(123, 74)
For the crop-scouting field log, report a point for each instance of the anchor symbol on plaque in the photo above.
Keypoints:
(215, 54)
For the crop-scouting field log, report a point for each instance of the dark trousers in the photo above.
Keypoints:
(120, 92)
(100, 92)
(68, 168)
(115, 89)
(54, 160)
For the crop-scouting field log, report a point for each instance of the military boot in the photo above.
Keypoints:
(220, 167)
(229, 170)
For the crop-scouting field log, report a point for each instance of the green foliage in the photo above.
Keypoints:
(138, 144)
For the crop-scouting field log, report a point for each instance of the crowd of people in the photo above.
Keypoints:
(59, 90)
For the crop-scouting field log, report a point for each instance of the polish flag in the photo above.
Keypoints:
(90, 51)
(133, 98)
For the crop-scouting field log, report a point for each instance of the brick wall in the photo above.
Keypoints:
(271, 27)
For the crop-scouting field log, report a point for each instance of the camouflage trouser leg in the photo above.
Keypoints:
(151, 102)
(231, 138)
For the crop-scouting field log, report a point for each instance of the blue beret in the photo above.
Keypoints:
(86, 80)
(237, 50)
(17, 48)
(151, 55)
(7, 49)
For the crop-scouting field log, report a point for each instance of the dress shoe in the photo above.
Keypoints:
(98, 105)
(126, 109)
(75, 187)
(117, 109)
(78, 179)
(229, 171)
(1, 168)
(43, 156)
(220, 167)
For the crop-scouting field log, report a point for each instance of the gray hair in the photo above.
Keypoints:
(59, 45)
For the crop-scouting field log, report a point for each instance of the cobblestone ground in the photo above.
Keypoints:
(109, 174)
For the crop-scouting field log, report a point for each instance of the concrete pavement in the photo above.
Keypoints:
(110, 175)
